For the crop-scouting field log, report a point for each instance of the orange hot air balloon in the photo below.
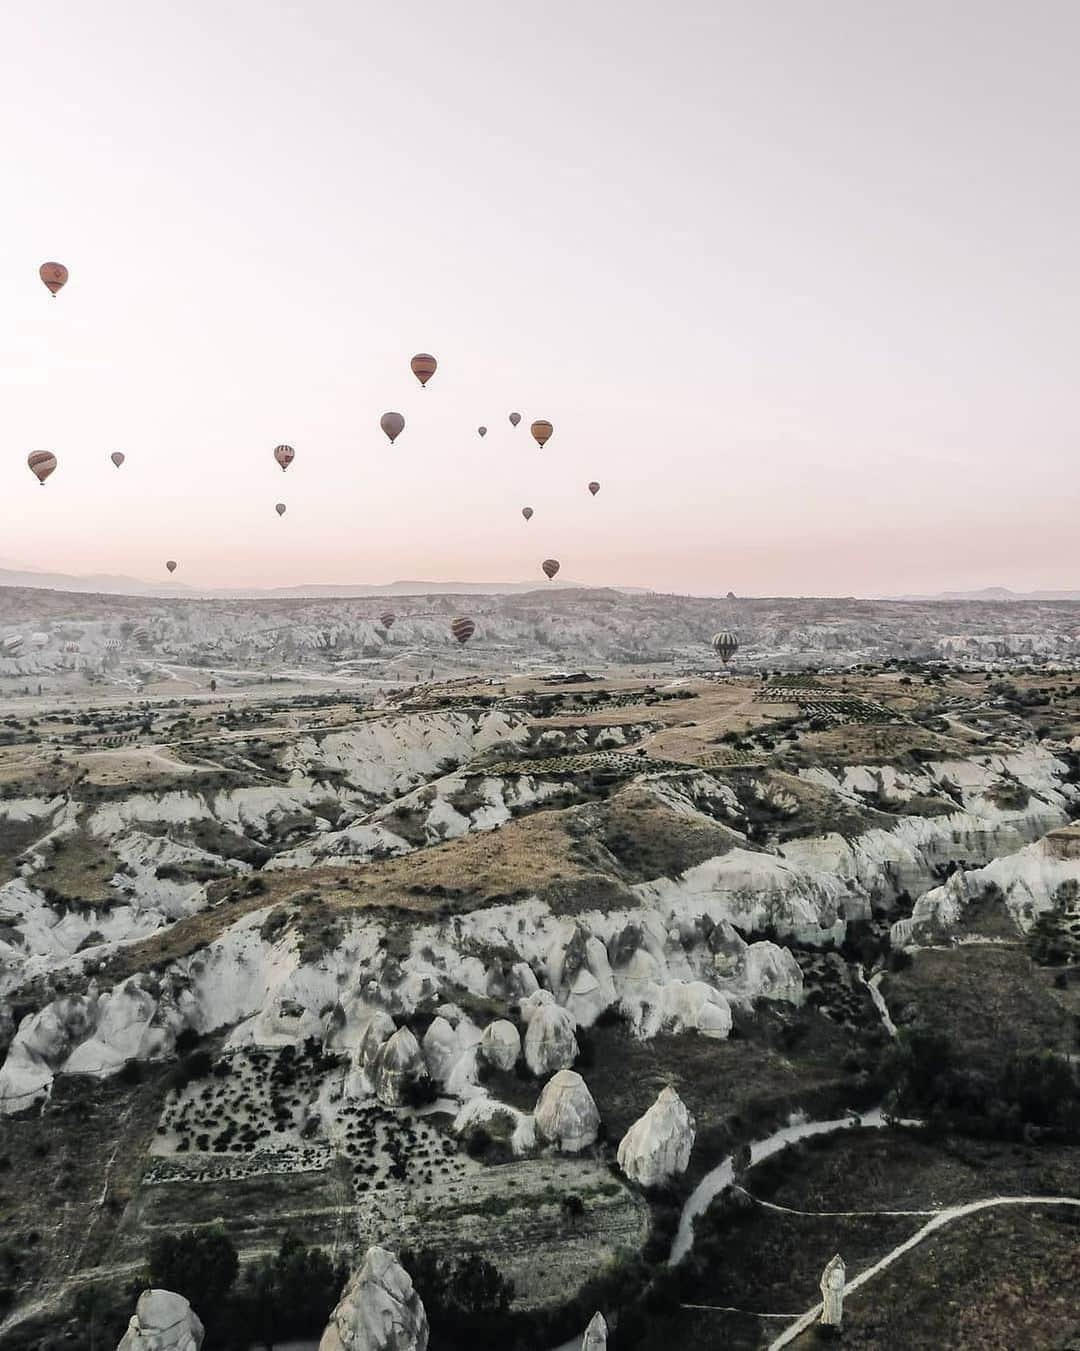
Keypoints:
(386, 619)
(171, 564)
(393, 424)
(541, 430)
(550, 566)
(280, 508)
(594, 487)
(463, 629)
(54, 275)
(284, 456)
(117, 458)
(481, 431)
(527, 512)
(423, 366)
(515, 418)
(42, 463)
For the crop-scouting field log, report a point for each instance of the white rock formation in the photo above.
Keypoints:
(657, 1146)
(550, 1043)
(833, 1279)
(595, 1338)
(501, 1044)
(162, 1321)
(398, 1060)
(566, 1115)
(378, 1311)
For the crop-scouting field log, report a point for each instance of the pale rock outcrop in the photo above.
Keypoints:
(162, 1321)
(397, 1061)
(595, 1338)
(550, 1043)
(441, 1049)
(492, 1115)
(566, 1115)
(379, 1310)
(657, 1146)
(501, 1044)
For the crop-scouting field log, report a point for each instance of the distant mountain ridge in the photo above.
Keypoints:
(989, 593)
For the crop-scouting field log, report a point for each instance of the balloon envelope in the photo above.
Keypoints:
(515, 418)
(54, 275)
(42, 463)
(527, 512)
(280, 508)
(481, 431)
(171, 564)
(386, 619)
(550, 566)
(594, 487)
(541, 430)
(463, 629)
(284, 456)
(117, 458)
(725, 645)
(423, 366)
(393, 424)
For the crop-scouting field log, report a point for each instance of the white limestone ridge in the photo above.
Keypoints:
(162, 1321)
(595, 1338)
(379, 1310)
(566, 1115)
(658, 1145)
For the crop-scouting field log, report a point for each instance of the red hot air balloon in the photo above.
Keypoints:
(594, 487)
(393, 424)
(54, 275)
(463, 629)
(527, 512)
(280, 508)
(515, 418)
(284, 456)
(117, 458)
(386, 619)
(42, 463)
(423, 366)
(171, 564)
(550, 567)
(481, 431)
(541, 430)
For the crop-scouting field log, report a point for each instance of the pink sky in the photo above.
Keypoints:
(797, 283)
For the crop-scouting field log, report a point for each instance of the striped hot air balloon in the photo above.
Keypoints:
(550, 567)
(171, 564)
(423, 366)
(54, 275)
(541, 430)
(386, 619)
(12, 645)
(117, 458)
(515, 418)
(463, 629)
(284, 456)
(527, 512)
(594, 487)
(279, 507)
(725, 645)
(42, 463)
(140, 634)
(393, 424)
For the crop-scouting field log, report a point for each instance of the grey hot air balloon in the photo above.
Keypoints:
(725, 645)
(171, 564)
(481, 431)
(42, 463)
(550, 567)
(393, 424)
(117, 458)
(280, 508)
(284, 456)
(527, 512)
(515, 418)
(463, 629)
(594, 487)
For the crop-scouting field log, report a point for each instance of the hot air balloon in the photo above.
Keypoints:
(481, 431)
(527, 512)
(12, 645)
(541, 430)
(393, 424)
(279, 507)
(54, 275)
(42, 463)
(171, 564)
(141, 634)
(386, 619)
(117, 458)
(284, 456)
(725, 645)
(594, 487)
(423, 366)
(515, 418)
(550, 566)
(463, 629)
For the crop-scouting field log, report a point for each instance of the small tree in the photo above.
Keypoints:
(200, 1264)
